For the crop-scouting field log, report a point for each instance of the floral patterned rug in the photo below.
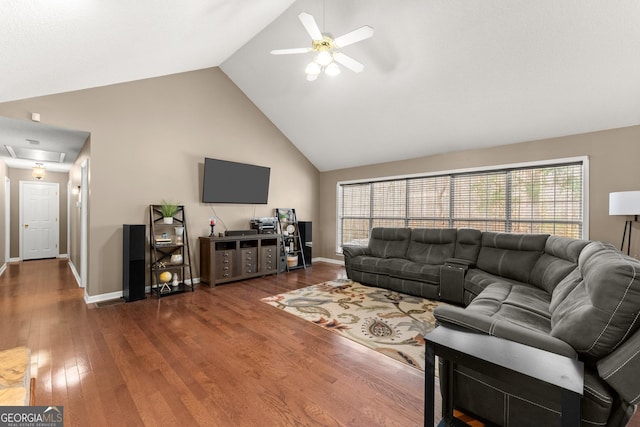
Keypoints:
(386, 321)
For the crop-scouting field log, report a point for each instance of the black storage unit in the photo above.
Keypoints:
(133, 261)
(169, 253)
(306, 238)
(291, 248)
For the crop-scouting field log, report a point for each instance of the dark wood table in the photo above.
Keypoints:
(505, 360)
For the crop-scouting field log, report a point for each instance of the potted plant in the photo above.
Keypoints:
(168, 210)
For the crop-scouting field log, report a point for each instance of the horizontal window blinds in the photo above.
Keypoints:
(541, 199)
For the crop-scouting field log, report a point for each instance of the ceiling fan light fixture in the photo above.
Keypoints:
(332, 69)
(327, 49)
(313, 69)
(324, 58)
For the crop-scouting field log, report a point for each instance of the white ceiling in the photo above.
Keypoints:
(39, 143)
(440, 75)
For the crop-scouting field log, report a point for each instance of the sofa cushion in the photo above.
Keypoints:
(477, 281)
(600, 310)
(468, 241)
(415, 271)
(502, 327)
(521, 304)
(389, 242)
(510, 255)
(371, 264)
(560, 257)
(431, 245)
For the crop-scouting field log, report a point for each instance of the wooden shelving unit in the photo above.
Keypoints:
(170, 253)
(291, 247)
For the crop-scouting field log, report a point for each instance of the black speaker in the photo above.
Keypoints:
(240, 232)
(133, 261)
(306, 238)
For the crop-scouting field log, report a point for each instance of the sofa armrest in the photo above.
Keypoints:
(471, 320)
(350, 252)
(353, 251)
(620, 369)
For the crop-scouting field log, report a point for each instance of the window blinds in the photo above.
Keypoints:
(541, 199)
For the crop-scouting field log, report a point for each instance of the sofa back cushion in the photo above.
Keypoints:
(596, 307)
(431, 245)
(560, 258)
(510, 255)
(389, 242)
(468, 241)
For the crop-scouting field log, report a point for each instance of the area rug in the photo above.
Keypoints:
(386, 321)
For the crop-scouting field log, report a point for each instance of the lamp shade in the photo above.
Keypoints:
(38, 171)
(624, 203)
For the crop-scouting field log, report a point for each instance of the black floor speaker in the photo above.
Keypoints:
(133, 261)
(306, 238)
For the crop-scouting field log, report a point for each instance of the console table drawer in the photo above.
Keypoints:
(268, 258)
(248, 260)
(224, 264)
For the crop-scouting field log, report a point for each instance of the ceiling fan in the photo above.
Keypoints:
(328, 49)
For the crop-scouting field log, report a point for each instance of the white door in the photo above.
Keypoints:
(39, 214)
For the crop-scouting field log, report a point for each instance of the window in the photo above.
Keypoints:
(540, 198)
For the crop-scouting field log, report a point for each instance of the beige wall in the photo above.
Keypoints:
(149, 139)
(4, 173)
(74, 210)
(613, 157)
(148, 142)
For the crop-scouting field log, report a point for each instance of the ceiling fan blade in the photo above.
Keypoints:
(290, 51)
(354, 36)
(348, 62)
(310, 25)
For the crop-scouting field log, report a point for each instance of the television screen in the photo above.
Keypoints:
(231, 182)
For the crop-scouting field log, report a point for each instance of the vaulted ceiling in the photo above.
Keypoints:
(440, 75)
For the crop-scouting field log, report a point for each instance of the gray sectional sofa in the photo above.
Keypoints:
(576, 298)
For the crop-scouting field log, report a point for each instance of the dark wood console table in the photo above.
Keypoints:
(229, 258)
(505, 360)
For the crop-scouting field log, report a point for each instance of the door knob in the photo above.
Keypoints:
(26, 226)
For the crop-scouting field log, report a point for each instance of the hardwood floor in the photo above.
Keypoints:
(215, 357)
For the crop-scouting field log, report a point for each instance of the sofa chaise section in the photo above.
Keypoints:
(571, 297)
(592, 315)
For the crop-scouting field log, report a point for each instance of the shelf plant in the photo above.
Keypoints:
(168, 210)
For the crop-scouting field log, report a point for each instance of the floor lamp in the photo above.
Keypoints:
(625, 203)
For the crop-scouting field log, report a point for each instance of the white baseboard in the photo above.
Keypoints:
(3, 268)
(75, 274)
(118, 294)
(329, 260)
(102, 297)
(18, 259)
(63, 256)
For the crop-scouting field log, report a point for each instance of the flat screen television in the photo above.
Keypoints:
(231, 182)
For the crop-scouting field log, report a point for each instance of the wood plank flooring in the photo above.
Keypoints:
(214, 357)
